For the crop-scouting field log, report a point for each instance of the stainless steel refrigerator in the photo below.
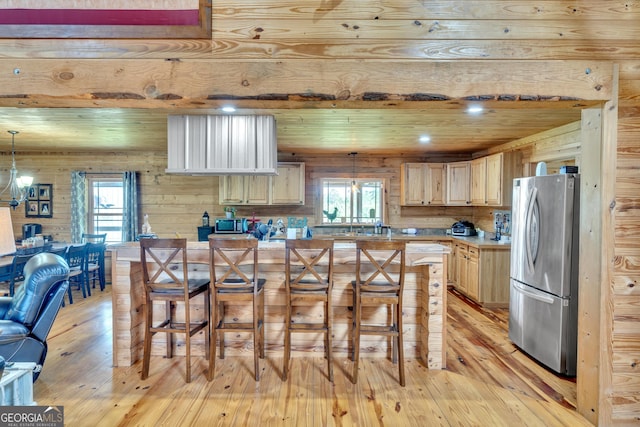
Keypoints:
(543, 306)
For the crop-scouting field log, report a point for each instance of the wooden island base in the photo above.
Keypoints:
(424, 311)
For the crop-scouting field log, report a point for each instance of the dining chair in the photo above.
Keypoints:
(59, 250)
(308, 281)
(94, 238)
(94, 265)
(95, 269)
(62, 252)
(17, 271)
(234, 278)
(20, 258)
(165, 275)
(75, 257)
(380, 271)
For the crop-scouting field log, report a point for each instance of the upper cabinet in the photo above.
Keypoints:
(422, 184)
(244, 190)
(485, 181)
(492, 178)
(286, 188)
(501, 170)
(479, 181)
(458, 181)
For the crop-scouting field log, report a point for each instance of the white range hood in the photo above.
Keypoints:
(222, 145)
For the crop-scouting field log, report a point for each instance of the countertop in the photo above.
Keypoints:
(504, 243)
(343, 239)
(483, 242)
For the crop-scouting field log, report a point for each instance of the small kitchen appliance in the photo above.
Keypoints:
(231, 226)
(463, 228)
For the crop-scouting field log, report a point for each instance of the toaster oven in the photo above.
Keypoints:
(463, 228)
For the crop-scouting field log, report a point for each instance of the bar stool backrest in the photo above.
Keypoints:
(309, 264)
(234, 264)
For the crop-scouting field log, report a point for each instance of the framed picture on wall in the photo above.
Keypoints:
(32, 194)
(39, 201)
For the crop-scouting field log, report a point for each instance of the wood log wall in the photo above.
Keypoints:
(176, 203)
(459, 48)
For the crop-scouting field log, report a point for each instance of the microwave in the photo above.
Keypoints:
(231, 225)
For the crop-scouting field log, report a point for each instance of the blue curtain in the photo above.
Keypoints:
(78, 206)
(130, 214)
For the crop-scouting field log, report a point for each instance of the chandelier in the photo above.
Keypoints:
(16, 188)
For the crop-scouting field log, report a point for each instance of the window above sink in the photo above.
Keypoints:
(352, 201)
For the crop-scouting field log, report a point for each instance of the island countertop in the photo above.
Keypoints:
(424, 308)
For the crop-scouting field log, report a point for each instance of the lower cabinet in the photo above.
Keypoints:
(461, 278)
(482, 274)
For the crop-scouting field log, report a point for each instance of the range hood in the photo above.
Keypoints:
(222, 145)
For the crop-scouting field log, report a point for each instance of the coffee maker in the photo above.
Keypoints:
(30, 230)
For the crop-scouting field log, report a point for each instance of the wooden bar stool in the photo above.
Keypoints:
(234, 277)
(380, 268)
(166, 278)
(308, 279)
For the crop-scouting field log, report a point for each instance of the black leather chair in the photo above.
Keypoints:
(27, 317)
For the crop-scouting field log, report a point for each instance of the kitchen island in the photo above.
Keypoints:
(424, 311)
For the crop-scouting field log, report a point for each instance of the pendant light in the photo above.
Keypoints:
(16, 188)
(354, 185)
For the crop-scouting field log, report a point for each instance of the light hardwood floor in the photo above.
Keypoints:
(487, 383)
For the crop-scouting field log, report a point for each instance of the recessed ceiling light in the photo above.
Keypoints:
(424, 139)
(229, 109)
(475, 109)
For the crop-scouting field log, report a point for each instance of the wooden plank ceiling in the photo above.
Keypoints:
(382, 131)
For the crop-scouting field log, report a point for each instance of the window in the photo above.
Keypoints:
(352, 201)
(105, 206)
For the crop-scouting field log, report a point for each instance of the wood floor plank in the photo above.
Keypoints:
(494, 386)
(502, 363)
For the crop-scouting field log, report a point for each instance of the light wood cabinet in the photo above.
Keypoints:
(244, 190)
(492, 178)
(485, 181)
(462, 277)
(458, 182)
(422, 184)
(495, 186)
(473, 273)
(286, 188)
(502, 168)
(482, 274)
(231, 189)
(479, 181)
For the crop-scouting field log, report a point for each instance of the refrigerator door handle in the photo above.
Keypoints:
(528, 237)
(542, 298)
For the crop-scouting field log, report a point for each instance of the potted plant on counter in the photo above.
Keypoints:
(230, 211)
